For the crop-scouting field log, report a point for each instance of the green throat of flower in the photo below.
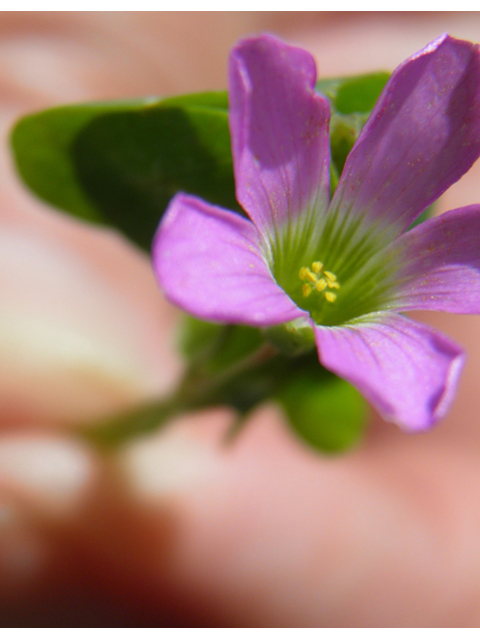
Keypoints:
(335, 286)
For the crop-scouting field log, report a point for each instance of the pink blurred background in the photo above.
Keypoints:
(175, 529)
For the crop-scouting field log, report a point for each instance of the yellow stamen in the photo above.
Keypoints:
(317, 279)
(310, 276)
(302, 274)
(330, 275)
(332, 285)
(321, 285)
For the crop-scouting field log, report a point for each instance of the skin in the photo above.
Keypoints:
(178, 529)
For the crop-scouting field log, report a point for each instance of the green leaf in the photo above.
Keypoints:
(344, 131)
(355, 94)
(428, 213)
(351, 101)
(132, 164)
(325, 411)
(42, 145)
(216, 347)
(120, 163)
(264, 379)
(197, 337)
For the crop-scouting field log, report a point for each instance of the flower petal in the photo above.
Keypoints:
(406, 370)
(441, 259)
(279, 130)
(209, 262)
(422, 136)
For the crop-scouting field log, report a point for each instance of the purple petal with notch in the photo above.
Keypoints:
(441, 264)
(209, 262)
(421, 137)
(279, 129)
(406, 370)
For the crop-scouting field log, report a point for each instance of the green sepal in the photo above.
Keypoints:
(325, 411)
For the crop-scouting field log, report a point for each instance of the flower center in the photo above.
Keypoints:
(317, 279)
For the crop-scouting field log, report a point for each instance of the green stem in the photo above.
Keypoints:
(198, 389)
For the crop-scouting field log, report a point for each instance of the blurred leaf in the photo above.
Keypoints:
(265, 380)
(359, 95)
(197, 337)
(351, 101)
(344, 131)
(354, 94)
(428, 213)
(119, 163)
(215, 346)
(291, 338)
(42, 144)
(132, 164)
(239, 342)
(325, 411)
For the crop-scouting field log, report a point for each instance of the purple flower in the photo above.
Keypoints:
(343, 267)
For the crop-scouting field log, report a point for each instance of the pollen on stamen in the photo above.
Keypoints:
(330, 275)
(318, 279)
(302, 274)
